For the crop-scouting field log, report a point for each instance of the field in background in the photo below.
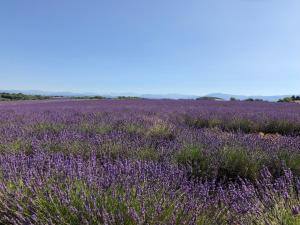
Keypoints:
(149, 162)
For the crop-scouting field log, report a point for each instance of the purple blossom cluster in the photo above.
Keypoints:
(57, 189)
(149, 162)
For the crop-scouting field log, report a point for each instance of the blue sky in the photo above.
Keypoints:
(151, 46)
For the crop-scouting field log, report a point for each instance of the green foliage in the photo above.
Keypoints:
(237, 162)
(253, 100)
(281, 211)
(290, 99)
(210, 98)
(103, 129)
(88, 205)
(284, 127)
(128, 98)
(282, 160)
(229, 163)
(90, 97)
(161, 131)
(233, 99)
(196, 122)
(245, 125)
(295, 98)
(17, 146)
(134, 128)
(288, 218)
(239, 124)
(215, 122)
(195, 160)
(20, 96)
(286, 99)
(92, 129)
(113, 150)
(71, 147)
(148, 154)
(40, 128)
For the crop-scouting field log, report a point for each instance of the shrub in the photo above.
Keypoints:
(103, 129)
(286, 99)
(228, 164)
(239, 124)
(201, 123)
(215, 123)
(236, 162)
(113, 150)
(47, 127)
(285, 160)
(246, 125)
(148, 154)
(20, 96)
(16, 147)
(161, 131)
(92, 129)
(195, 160)
(133, 128)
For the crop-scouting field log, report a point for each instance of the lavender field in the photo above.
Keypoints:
(149, 162)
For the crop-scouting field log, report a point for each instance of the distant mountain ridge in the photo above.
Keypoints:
(147, 96)
(112, 95)
(272, 98)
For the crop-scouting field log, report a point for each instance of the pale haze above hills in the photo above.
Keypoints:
(147, 96)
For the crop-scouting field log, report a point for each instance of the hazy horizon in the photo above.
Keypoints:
(156, 95)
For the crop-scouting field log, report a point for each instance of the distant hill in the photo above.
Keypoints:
(244, 97)
(215, 96)
(210, 98)
(46, 93)
(168, 96)
(108, 95)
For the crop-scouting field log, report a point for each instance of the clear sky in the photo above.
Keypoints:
(151, 46)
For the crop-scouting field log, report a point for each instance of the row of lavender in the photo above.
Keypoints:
(144, 162)
(249, 117)
(55, 189)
